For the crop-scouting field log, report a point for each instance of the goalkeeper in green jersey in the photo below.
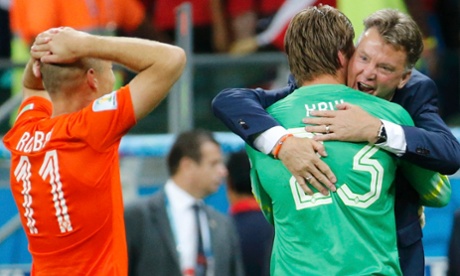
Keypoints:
(350, 231)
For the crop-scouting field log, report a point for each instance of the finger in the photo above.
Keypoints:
(326, 137)
(318, 128)
(40, 48)
(321, 182)
(344, 106)
(325, 175)
(319, 148)
(303, 185)
(317, 185)
(42, 39)
(317, 121)
(323, 113)
(39, 55)
(36, 69)
(50, 58)
(51, 31)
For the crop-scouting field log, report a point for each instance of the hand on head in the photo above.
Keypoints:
(58, 45)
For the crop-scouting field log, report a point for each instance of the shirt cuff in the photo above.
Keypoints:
(396, 139)
(268, 139)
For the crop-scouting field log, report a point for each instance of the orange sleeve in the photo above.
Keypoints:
(104, 121)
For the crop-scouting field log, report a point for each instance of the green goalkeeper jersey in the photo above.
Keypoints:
(351, 231)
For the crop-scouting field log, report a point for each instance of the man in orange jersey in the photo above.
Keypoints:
(64, 144)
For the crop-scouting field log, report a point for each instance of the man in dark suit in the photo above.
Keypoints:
(430, 144)
(167, 234)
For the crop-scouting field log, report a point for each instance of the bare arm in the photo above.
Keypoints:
(32, 82)
(158, 65)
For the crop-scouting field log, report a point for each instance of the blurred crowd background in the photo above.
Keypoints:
(227, 30)
(236, 43)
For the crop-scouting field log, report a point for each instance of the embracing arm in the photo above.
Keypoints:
(434, 188)
(243, 110)
(430, 144)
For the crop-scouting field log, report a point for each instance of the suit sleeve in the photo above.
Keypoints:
(430, 144)
(243, 110)
(434, 188)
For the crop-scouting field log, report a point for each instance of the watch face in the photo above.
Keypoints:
(382, 136)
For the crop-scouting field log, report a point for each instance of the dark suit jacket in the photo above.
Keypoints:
(454, 247)
(430, 144)
(151, 245)
(256, 240)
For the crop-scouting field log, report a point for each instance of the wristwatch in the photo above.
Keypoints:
(382, 135)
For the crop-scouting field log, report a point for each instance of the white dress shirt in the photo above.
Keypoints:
(396, 140)
(182, 219)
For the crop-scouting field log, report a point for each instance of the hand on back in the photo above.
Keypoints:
(302, 157)
(349, 123)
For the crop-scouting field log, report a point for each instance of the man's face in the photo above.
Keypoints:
(376, 67)
(211, 170)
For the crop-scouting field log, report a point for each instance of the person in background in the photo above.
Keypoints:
(440, 23)
(173, 232)
(249, 39)
(71, 119)
(255, 233)
(29, 18)
(248, 18)
(209, 23)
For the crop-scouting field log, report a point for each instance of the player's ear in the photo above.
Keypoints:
(343, 59)
(91, 78)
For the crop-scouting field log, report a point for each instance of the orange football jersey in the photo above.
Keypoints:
(65, 179)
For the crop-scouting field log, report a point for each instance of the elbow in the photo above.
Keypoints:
(445, 199)
(179, 61)
(437, 202)
(218, 101)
